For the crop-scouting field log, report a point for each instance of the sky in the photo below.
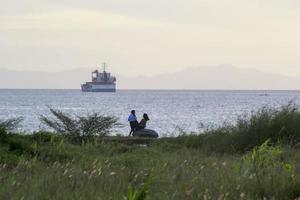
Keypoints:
(142, 37)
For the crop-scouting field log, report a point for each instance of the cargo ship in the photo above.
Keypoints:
(101, 82)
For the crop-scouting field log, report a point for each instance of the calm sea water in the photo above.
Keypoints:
(170, 111)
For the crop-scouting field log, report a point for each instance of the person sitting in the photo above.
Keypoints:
(133, 122)
(143, 122)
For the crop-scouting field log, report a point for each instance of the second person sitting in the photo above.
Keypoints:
(143, 122)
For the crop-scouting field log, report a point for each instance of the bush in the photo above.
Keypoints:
(279, 126)
(10, 124)
(80, 128)
(21, 145)
(7, 126)
(263, 167)
(14, 147)
(45, 137)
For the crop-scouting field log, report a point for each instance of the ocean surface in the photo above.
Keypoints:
(170, 112)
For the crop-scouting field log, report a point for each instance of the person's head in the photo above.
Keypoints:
(133, 112)
(145, 116)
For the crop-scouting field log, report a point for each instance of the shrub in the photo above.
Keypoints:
(10, 124)
(278, 125)
(43, 138)
(80, 128)
(264, 167)
(281, 125)
(21, 145)
(7, 126)
(263, 159)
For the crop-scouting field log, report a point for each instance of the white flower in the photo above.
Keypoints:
(112, 173)
(242, 195)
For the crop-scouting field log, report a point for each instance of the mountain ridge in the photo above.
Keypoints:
(222, 77)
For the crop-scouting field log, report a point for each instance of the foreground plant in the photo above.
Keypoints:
(141, 192)
(264, 167)
(80, 127)
(10, 124)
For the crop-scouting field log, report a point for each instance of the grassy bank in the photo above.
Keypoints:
(259, 158)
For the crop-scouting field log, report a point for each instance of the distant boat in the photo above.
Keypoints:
(264, 95)
(101, 82)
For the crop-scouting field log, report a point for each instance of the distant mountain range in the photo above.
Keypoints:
(219, 77)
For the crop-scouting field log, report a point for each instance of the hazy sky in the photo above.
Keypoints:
(148, 37)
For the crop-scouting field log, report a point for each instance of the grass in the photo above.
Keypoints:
(59, 170)
(279, 126)
(259, 158)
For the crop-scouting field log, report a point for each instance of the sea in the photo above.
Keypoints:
(171, 112)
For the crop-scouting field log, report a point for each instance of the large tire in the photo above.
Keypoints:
(146, 133)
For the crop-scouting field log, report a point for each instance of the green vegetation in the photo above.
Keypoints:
(80, 128)
(279, 126)
(9, 125)
(259, 158)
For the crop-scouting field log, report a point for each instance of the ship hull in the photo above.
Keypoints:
(89, 87)
(98, 90)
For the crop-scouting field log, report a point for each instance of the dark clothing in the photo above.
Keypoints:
(134, 125)
(142, 123)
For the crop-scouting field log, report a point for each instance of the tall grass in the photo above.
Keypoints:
(278, 125)
(118, 171)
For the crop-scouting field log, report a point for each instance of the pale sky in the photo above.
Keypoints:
(138, 37)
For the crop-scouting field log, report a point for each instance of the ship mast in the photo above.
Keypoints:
(104, 67)
(104, 73)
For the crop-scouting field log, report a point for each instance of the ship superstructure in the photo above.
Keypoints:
(101, 82)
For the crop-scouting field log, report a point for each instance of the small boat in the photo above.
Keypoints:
(145, 133)
(264, 95)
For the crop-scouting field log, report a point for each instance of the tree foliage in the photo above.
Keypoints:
(10, 124)
(79, 127)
